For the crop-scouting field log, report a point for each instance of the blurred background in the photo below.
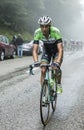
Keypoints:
(18, 16)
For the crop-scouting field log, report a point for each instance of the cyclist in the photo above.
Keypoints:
(52, 46)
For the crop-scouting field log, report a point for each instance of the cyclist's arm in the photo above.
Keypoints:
(60, 53)
(36, 45)
(35, 51)
(59, 47)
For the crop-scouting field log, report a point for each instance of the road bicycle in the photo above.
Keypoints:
(48, 92)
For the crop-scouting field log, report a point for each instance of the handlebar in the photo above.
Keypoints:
(38, 64)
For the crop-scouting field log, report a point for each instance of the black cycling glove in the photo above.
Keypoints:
(55, 65)
(36, 64)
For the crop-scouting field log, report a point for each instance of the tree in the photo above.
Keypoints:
(20, 15)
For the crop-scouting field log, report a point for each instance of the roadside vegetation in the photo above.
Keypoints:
(18, 16)
(10, 33)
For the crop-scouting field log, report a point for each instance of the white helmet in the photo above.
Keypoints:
(44, 20)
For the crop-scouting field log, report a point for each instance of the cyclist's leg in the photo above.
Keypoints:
(58, 71)
(59, 76)
(45, 59)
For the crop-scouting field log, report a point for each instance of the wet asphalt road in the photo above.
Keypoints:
(19, 99)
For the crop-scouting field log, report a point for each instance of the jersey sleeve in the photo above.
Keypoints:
(37, 36)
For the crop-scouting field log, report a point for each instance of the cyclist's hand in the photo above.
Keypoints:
(55, 65)
(37, 64)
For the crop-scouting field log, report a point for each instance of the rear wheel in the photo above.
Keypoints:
(44, 106)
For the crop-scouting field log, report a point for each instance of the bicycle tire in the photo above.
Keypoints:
(53, 103)
(44, 114)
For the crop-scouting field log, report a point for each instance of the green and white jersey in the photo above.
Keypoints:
(53, 39)
(54, 35)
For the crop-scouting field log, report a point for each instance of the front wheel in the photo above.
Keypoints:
(44, 105)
